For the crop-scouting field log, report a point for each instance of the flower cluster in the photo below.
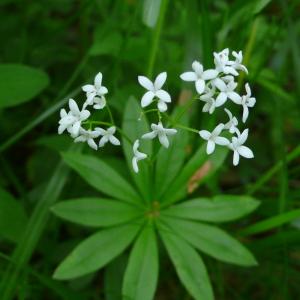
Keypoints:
(217, 86)
(74, 120)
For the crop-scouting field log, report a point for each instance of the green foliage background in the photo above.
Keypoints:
(50, 48)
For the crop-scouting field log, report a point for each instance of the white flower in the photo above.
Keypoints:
(199, 76)
(161, 132)
(137, 156)
(232, 123)
(92, 91)
(213, 138)
(72, 120)
(226, 91)
(238, 149)
(222, 63)
(154, 90)
(88, 136)
(247, 101)
(107, 136)
(99, 102)
(210, 102)
(237, 64)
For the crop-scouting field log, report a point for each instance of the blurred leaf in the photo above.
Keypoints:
(151, 11)
(212, 241)
(188, 264)
(141, 274)
(96, 212)
(20, 83)
(96, 251)
(222, 208)
(272, 222)
(108, 44)
(13, 218)
(55, 142)
(101, 176)
(196, 171)
(169, 161)
(134, 128)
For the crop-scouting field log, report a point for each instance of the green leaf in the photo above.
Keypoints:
(101, 176)
(189, 265)
(20, 83)
(197, 170)
(96, 212)
(134, 129)
(272, 222)
(96, 251)
(13, 219)
(212, 241)
(169, 161)
(142, 271)
(222, 208)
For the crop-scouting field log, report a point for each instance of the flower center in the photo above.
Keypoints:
(154, 211)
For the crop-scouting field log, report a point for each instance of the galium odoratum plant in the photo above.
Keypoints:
(155, 203)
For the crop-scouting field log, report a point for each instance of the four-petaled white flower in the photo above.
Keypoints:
(226, 91)
(199, 76)
(246, 101)
(237, 64)
(72, 120)
(232, 123)
(238, 149)
(137, 156)
(213, 138)
(155, 91)
(222, 63)
(210, 102)
(95, 91)
(107, 136)
(161, 132)
(88, 136)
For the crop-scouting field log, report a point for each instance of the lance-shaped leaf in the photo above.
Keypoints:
(212, 241)
(188, 264)
(101, 176)
(96, 251)
(142, 271)
(96, 212)
(221, 208)
(134, 126)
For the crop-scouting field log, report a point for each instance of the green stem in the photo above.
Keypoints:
(186, 128)
(110, 114)
(156, 37)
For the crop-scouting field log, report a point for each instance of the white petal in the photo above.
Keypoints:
(160, 80)
(243, 137)
(102, 91)
(221, 99)
(236, 158)
(212, 109)
(197, 67)
(80, 139)
(63, 113)
(88, 88)
(170, 131)
(221, 141)
(100, 130)
(141, 155)
(162, 106)
(210, 74)
(210, 147)
(205, 134)
(245, 113)
(62, 128)
(114, 140)
(135, 165)
(230, 70)
(92, 144)
(235, 97)
(248, 90)
(251, 102)
(103, 141)
(200, 86)
(228, 112)
(188, 76)
(245, 152)
(90, 98)
(76, 127)
(163, 95)
(146, 83)
(84, 115)
(111, 130)
(98, 80)
(135, 146)
(73, 107)
(220, 84)
(149, 135)
(218, 129)
(147, 99)
(163, 140)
